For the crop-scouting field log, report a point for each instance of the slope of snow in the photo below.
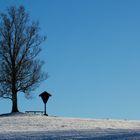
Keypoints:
(42, 127)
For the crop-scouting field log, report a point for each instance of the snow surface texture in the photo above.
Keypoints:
(39, 127)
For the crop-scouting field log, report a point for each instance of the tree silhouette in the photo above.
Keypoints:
(20, 70)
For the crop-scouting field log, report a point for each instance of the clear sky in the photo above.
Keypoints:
(92, 56)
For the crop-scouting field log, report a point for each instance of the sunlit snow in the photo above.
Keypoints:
(23, 126)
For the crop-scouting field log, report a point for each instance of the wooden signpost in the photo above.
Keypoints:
(45, 96)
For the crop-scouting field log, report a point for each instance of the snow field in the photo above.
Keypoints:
(39, 127)
(44, 123)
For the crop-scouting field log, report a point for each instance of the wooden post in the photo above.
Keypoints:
(45, 110)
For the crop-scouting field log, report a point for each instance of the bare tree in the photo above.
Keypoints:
(20, 70)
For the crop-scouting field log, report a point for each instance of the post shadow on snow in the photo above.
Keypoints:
(74, 135)
(45, 96)
(12, 114)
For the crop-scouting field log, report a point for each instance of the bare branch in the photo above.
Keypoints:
(20, 70)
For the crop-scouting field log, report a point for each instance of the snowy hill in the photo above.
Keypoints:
(23, 126)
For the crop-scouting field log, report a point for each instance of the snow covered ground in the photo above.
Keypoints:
(23, 126)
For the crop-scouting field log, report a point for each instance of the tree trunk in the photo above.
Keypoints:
(14, 103)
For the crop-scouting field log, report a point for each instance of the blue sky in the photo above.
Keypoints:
(92, 55)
